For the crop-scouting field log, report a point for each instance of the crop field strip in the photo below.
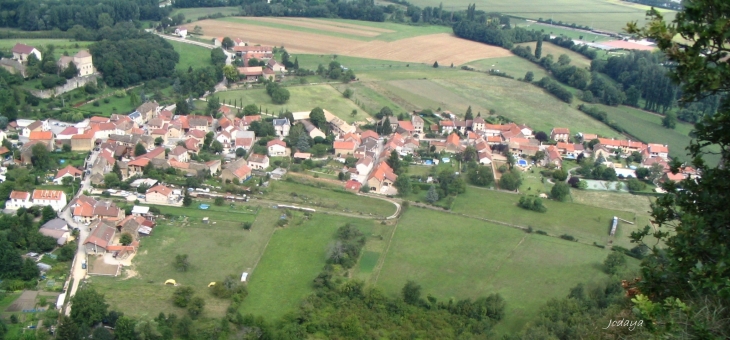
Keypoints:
(440, 45)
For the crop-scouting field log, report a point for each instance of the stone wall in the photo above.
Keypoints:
(70, 85)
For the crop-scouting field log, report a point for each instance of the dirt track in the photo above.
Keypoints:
(444, 48)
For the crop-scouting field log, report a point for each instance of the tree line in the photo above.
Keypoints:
(39, 15)
(356, 10)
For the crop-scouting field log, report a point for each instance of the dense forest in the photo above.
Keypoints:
(38, 15)
(129, 61)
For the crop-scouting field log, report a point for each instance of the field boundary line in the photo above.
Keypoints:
(263, 251)
(381, 261)
(496, 270)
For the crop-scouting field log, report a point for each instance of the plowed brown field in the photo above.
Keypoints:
(444, 48)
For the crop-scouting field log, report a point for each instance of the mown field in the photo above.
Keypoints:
(561, 31)
(586, 223)
(609, 15)
(191, 55)
(195, 13)
(303, 98)
(457, 257)
(293, 258)
(325, 197)
(61, 45)
(215, 250)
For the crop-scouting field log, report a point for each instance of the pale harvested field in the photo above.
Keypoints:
(444, 48)
(361, 31)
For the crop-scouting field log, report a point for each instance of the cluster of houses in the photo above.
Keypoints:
(520, 140)
(21, 52)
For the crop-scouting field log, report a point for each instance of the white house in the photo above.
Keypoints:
(364, 165)
(55, 198)
(182, 31)
(256, 161)
(21, 52)
(276, 147)
(282, 126)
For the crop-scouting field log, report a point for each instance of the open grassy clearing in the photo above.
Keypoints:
(197, 12)
(586, 223)
(456, 257)
(576, 59)
(519, 101)
(367, 98)
(396, 31)
(61, 45)
(303, 98)
(561, 31)
(609, 15)
(214, 250)
(191, 55)
(514, 66)
(325, 197)
(613, 200)
(116, 105)
(293, 258)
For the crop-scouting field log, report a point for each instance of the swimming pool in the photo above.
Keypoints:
(204, 206)
(522, 162)
(428, 162)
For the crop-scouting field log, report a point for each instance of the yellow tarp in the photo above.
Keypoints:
(170, 282)
(211, 284)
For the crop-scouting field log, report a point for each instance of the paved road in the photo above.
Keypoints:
(229, 60)
(78, 273)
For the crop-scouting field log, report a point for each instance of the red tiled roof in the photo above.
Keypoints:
(97, 119)
(178, 165)
(22, 48)
(54, 195)
(141, 162)
(242, 172)
(369, 134)
(245, 142)
(406, 125)
(68, 170)
(343, 145)
(275, 142)
(561, 131)
(165, 191)
(69, 131)
(353, 185)
(19, 195)
(453, 139)
(256, 158)
(41, 135)
(658, 148)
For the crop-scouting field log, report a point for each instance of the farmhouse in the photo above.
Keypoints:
(343, 148)
(182, 31)
(82, 60)
(54, 198)
(100, 238)
(251, 74)
(21, 52)
(56, 228)
(238, 170)
(382, 179)
(560, 134)
(282, 126)
(276, 147)
(68, 171)
(258, 162)
(159, 194)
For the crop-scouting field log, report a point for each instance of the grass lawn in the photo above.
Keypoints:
(327, 198)
(456, 257)
(367, 98)
(61, 45)
(303, 98)
(576, 59)
(215, 250)
(115, 105)
(293, 258)
(586, 223)
(609, 15)
(191, 55)
(564, 31)
(514, 66)
(532, 183)
(197, 12)
(519, 101)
